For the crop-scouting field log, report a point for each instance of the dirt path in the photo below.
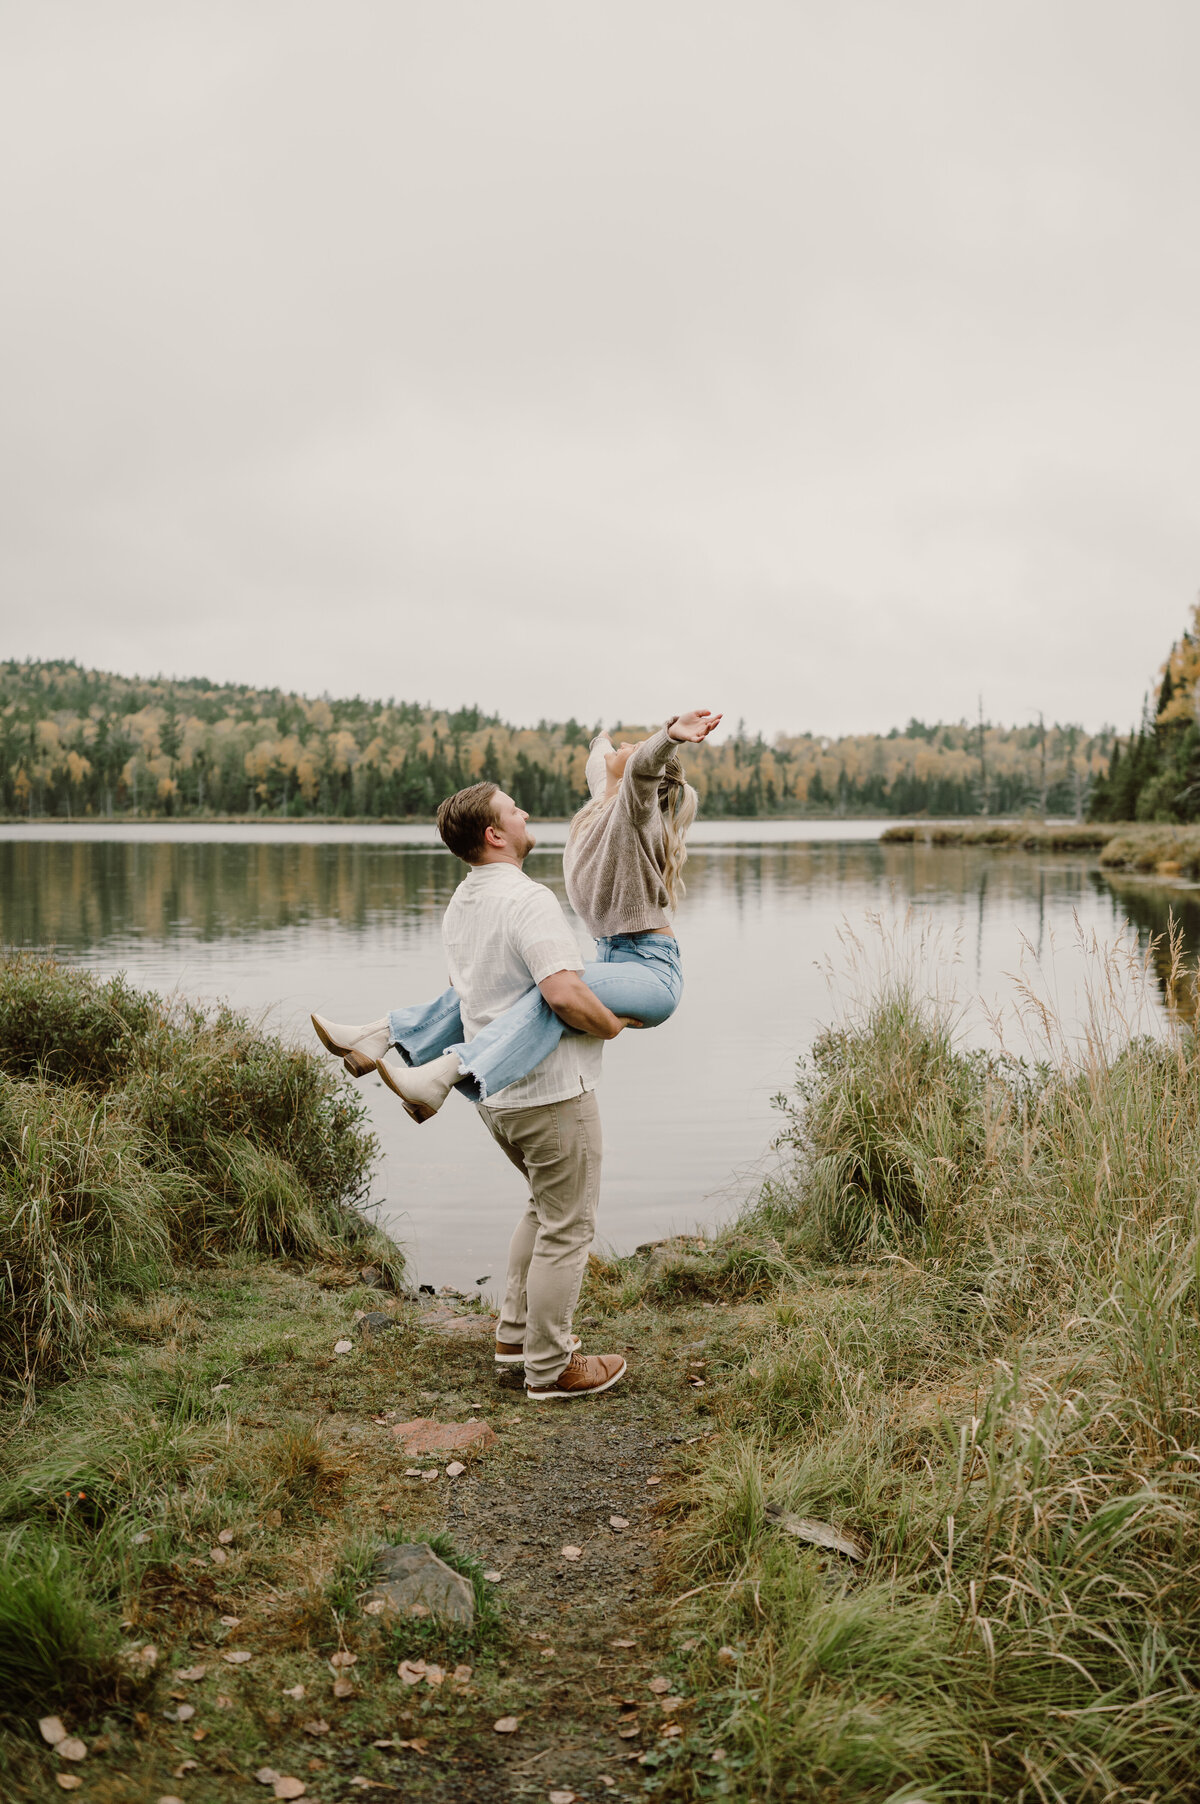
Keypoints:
(561, 1476)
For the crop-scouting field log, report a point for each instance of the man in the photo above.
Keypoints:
(503, 934)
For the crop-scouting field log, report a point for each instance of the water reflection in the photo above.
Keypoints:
(352, 927)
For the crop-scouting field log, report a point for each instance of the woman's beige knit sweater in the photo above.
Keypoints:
(613, 863)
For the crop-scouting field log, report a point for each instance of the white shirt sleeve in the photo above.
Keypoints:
(540, 935)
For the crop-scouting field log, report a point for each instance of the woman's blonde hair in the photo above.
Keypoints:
(677, 804)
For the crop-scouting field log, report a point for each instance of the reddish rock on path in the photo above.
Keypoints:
(427, 1436)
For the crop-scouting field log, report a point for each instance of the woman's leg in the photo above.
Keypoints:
(516, 1042)
(421, 1033)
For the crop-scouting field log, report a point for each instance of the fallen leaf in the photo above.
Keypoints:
(461, 1675)
(141, 1540)
(572, 1553)
(548, 1653)
(622, 1644)
(171, 1799)
(654, 1481)
(343, 1688)
(238, 1657)
(341, 1346)
(618, 1522)
(671, 1705)
(221, 1702)
(230, 1622)
(413, 1472)
(376, 1607)
(432, 1473)
(493, 1577)
(218, 1556)
(629, 1734)
(660, 1686)
(184, 1767)
(387, 1742)
(455, 1469)
(71, 1748)
(266, 1775)
(362, 1784)
(146, 1656)
(419, 1744)
(818, 1534)
(718, 1754)
(218, 1388)
(343, 1659)
(434, 1675)
(563, 1797)
(52, 1730)
(411, 1672)
(273, 1519)
(290, 1788)
(318, 1726)
(199, 1734)
(293, 1691)
(192, 1673)
(185, 1713)
(603, 1779)
(225, 1537)
(670, 1730)
(69, 1781)
(507, 1725)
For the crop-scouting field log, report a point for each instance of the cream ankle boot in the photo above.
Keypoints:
(357, 1047)
(422, 1088)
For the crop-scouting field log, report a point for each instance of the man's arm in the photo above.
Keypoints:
(567, 994)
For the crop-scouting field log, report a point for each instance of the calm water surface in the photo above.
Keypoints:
(346, 921)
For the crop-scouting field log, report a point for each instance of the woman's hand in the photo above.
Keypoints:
(693, 727)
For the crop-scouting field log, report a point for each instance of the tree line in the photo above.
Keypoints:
(1154, 770)
(79, 743)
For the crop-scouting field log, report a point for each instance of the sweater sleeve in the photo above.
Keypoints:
(639, 786)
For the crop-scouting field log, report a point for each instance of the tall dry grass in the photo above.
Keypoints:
(1003, 1407)
(134, 1133)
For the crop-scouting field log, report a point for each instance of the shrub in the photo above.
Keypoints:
(57, 1650)
(131, 1133)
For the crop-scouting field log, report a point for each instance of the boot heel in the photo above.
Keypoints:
(357, 1065)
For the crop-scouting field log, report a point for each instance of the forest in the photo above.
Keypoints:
(78, 743)
(1154, 772)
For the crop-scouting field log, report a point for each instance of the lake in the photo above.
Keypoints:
(346, 921)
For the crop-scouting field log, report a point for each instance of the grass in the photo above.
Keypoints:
(987, 1372)
(133, 1134)
(960, 1322)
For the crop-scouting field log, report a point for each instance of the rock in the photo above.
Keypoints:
(411, 1575)
(467, 1327)
(377, 1322)
(372, 1277)
(427, 1436)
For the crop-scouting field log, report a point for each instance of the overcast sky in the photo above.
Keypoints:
(827, 362)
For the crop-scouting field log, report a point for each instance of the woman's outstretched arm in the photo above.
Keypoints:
(639, 787)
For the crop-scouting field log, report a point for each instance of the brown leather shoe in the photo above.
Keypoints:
(512, 1352)
(585, 1375)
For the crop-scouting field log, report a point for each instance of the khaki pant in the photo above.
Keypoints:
(556, 1147)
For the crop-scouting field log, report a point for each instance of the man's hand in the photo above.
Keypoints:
(581, 1008)
(695, 726)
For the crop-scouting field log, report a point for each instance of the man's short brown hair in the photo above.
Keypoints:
(464, 818)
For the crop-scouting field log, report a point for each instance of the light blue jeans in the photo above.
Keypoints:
(634, 974)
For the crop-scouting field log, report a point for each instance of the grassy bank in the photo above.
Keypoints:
(1029, 836)
(982, 1364)
(1150, 850)
(959, 1326)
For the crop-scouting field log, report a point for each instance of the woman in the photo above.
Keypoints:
(623, 861)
